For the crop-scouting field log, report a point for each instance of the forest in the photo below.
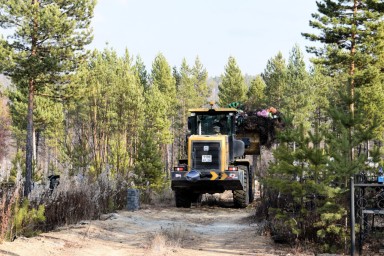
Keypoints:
(105, 122)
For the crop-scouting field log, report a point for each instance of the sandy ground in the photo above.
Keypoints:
(152, 230)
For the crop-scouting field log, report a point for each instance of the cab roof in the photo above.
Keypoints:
(213, 110)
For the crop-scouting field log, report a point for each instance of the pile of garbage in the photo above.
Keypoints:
(265, 122)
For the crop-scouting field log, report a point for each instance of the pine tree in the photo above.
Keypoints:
(352, 52)
(149, 167)
(127, 115)
(164, 93)
(107, 118)
(47, 42)
(100, 79)
(275, 77)
(301, 187)
(156, 112)
(182, 84)
(232, 87)
(142, 73)
(193, 90)
(48, 120)
(323, 92)
(256, 93)
(298, 95)
(162, 78)
(199, 79)
(5, 127)
(191, 93)
(372, 93)
(186, 93)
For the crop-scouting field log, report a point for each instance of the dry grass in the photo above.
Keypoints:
(82, 198)
(10, 194)
(9, 198)
(78, 198)
(163, 198)
(167, 241)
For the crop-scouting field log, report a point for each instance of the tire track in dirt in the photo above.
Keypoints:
(200, 230)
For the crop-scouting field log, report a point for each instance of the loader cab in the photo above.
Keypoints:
(204, 122)
(211, 123)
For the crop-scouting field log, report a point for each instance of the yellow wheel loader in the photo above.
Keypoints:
(216, 149)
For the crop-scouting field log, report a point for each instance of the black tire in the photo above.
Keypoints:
(241, 197)
(183, 199)
(196, 197)
(252, 188)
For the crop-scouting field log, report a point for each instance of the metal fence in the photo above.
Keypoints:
(367, 213)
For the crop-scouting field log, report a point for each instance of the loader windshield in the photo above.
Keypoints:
(214, 124)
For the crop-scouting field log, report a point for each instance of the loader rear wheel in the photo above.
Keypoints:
(241, 197)
(183, 199)
(195, 197)
(252, 187)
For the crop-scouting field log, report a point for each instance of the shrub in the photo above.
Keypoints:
(27, 219)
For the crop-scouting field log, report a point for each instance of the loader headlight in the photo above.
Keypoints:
(193, 176)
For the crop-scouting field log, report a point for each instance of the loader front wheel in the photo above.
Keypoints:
(183, 199)
(241, 197)
(252, 187)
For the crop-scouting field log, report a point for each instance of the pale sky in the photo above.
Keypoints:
(252, 31)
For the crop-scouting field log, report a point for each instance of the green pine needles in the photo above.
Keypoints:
(27, 219)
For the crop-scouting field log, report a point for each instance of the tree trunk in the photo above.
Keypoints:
(35, 146)
(29, 146)
(351, 88)
(31, 92)
(352, 82)
(94, 136)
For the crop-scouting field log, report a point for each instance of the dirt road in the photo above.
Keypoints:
(201, 230)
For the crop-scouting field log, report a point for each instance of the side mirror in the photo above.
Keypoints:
(189, 122)
(192, 124)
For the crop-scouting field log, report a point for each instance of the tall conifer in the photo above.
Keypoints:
(199, 79)
(351, 52)
(298, 95)
(142, 73)
(232, 87)
(275, 77)
(48, 38)
(164, 87)
(256, 93)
